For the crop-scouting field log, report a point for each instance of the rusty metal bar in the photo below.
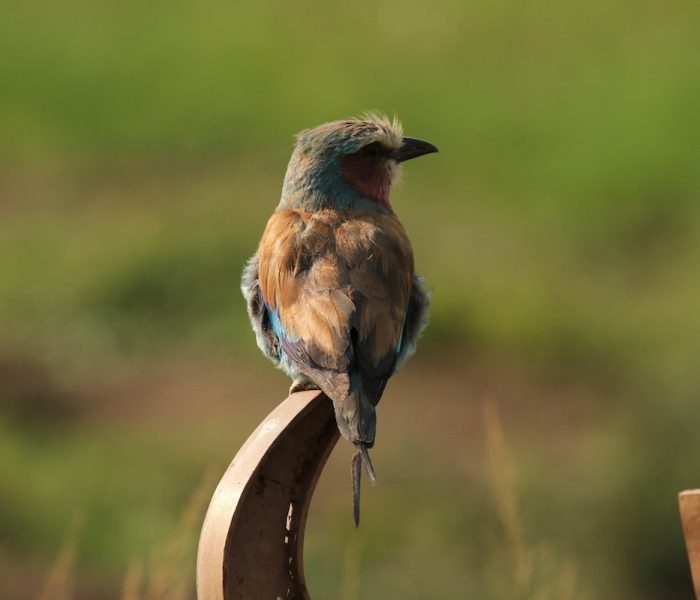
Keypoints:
(251, 544)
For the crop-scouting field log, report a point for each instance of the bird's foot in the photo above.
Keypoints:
(302, 385)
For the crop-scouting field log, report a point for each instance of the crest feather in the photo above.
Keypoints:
(371, 125)
(392, 128)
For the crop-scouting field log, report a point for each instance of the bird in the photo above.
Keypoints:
(331, 292)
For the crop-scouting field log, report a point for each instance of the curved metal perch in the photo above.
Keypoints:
(689, 503)
(251, 545)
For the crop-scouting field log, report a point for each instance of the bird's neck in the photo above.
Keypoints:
(345, 185)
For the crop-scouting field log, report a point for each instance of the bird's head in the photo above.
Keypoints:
(348, 164)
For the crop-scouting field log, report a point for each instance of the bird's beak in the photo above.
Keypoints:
(413, 148)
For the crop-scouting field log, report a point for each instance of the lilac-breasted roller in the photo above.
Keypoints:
(331, 292)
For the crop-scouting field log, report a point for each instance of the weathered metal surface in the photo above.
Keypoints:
(251, 544)
(689, 502)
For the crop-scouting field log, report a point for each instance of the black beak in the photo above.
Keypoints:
(413, 148)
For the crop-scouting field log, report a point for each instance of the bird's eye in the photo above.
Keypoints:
(374, 150)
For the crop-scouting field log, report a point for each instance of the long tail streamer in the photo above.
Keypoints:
(360, 459)
(367, 463)
(356, 476)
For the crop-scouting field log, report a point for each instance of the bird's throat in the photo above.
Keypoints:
(368, 176)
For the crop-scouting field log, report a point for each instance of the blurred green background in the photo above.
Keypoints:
(142, 147)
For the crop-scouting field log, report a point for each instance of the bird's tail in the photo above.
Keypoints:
(360, 459)
(356, 417)
(355, 414)
(367, 463)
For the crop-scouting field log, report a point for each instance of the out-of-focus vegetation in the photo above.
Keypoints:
(142, 146)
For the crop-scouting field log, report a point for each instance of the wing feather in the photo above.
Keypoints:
(328, 274)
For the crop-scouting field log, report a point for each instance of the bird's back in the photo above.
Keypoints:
(337, 285)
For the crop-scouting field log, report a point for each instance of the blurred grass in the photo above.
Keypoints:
(142, 147)
(530, 571)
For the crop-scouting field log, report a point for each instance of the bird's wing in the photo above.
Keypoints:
(259, 317)
(416, 320)
(302, 287)
(380, 272)
(337, 288)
